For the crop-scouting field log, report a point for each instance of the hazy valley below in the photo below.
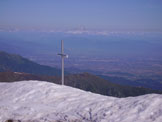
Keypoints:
(135, 58)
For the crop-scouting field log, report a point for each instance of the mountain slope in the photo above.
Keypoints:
(37, 101)
(84, 81)
(143, 82)
(96, 84)
(16, 63)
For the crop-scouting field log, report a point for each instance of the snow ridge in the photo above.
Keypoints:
(38, 101)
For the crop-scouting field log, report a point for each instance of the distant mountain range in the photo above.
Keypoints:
(16, 63)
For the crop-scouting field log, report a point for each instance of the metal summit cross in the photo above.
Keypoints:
(62, 58)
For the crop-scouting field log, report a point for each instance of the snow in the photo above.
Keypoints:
(39, 101)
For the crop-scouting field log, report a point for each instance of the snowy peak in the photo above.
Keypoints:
(47, 102)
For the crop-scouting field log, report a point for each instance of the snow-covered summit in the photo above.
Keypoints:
(38, 101)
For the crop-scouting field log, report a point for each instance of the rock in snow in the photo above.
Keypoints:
(38, 101)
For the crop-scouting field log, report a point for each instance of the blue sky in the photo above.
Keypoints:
(129, 15)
